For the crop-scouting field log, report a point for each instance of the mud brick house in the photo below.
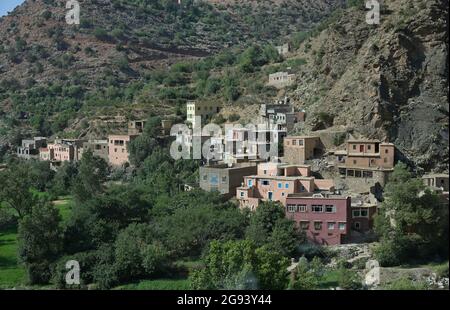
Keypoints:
(30, 148)
(203, 110)
(284, 49)
(223, 178)
(365, 163)
(98, 147)
(362, 216)
(118, 154)
(274, 182)
(298, 149)
(326, 221)
(281, 79)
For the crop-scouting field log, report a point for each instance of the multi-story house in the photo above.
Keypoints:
(203, 110)
(64, 150)
(98, 147)
(331, 219)
(258, 143)
(280, 114)
(365, 163)
(274, 182)
(326, 221)
(118, 153)
(298, 149)
(223, 178)
(30, 148)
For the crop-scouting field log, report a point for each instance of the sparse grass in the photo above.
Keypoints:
(330, 279)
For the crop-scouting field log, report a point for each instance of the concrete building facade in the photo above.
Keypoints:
(281, 79)
(274, 182)
(223, 178)
(98, 147)
(203, 110)
(325, 221)
(29, 148)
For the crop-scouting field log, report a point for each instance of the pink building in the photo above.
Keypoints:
(326, 221)
(118, 149)
(274, 182)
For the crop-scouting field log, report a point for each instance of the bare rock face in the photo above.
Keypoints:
(386, 81)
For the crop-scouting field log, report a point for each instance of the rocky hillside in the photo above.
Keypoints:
(387, 81)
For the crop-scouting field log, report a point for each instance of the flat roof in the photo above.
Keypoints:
(435, 175)
(301, 137)
(281, 177)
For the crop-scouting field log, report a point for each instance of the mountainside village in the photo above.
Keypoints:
(331, 192)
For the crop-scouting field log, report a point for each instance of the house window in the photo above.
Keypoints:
(250, 183)
(364, 213)
(356, 213)
(286, 185)
(386, 151)
(341, 226)
(294, 142)
(302, 188)
(357, 225)
(318, 225)
(354, 161)
(331, 225)
(265, 172)
(369, 147)
(317, 208)
(300, 142)
(302, 208)
(358, 173)
(304, 225)
(241, 194)
(354, 147)
(265, 182)
(330, 209)
(292, 208)
(280, 185)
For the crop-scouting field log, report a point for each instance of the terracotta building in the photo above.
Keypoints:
(326, 221)
(223, 178)
(298, 149)
(118, 153)
(331, 219)
(365, 163)
(274, 182)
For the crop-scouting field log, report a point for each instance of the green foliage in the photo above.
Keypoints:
(412, 223)
(269, 226)
(92, 173)
(405, 284)
(40, 241)
(348, 279)
(141, 147)
(240, 265)
(307, 275)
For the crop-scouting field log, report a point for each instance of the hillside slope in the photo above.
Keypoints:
(387, 81)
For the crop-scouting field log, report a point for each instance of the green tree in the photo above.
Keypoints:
(40, 241)
(269, 226)
(307, 275)
(412, 222)
(92, 173)
(240, 265)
